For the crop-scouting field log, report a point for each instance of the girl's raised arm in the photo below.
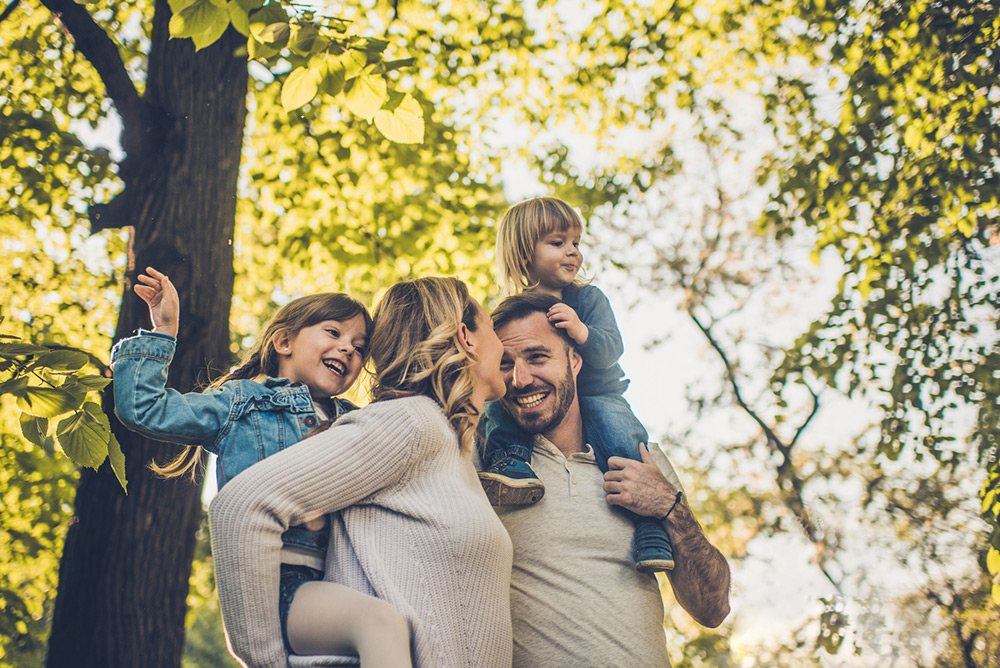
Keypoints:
(161, 296)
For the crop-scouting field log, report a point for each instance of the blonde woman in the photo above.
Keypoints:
(411, 525)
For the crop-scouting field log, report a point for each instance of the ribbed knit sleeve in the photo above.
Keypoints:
(415, 529)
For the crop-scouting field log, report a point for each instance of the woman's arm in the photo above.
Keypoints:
(364, 452)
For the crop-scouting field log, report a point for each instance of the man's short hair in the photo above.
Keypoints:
(519, 307)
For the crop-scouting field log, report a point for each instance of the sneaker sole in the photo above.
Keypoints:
(655, 565)
(502, 493)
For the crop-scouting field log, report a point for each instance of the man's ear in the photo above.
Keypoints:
(282, 342)
(576, 362)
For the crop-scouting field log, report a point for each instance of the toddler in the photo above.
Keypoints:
(538, 249)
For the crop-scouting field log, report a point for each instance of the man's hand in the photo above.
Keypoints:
(161, 297)
(562, 316)
(639, 486)
(700, 579)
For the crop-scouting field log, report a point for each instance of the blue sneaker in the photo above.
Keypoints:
(511, 482)
(653, 560)
(652, 549)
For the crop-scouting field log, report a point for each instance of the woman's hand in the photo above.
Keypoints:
(161, 296)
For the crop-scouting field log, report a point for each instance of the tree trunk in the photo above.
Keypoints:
(123, 578)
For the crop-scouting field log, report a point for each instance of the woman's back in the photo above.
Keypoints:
(414, 529)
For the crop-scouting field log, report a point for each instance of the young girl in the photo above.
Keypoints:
(311, 351)
(538, 249)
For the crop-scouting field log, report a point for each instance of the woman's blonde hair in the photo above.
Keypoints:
(262, 359)
(520, 228)
(415, 349)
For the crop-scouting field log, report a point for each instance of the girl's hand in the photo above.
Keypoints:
(564, 317)
(161, 296)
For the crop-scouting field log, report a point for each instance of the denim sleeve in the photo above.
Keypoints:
(604, 342)
(146, 405)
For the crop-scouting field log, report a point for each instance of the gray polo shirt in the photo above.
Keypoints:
(576, 598)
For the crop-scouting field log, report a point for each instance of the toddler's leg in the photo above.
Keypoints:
(614, 431)
(507, 477)
(328, 618)
(611, 427)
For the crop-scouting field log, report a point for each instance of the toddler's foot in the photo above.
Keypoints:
(654, 554)
(511, 482)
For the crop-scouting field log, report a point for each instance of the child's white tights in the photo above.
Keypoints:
(328, 618)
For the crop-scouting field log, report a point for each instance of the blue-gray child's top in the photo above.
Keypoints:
(601, 373)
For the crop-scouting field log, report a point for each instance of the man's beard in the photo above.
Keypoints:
(565, 393)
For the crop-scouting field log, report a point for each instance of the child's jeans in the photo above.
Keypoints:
(611, 429)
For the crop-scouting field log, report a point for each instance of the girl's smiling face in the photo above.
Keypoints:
(326, 357)
(556, 260)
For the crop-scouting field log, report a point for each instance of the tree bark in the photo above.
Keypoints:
(123, 578)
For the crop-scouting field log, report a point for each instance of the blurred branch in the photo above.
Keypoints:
(9, 9)
(101, 51)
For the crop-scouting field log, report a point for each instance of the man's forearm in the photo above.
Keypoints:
(700, 578)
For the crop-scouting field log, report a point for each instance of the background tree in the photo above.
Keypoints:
(182, 114)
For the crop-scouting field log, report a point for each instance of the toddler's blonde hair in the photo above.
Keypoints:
(520, 228)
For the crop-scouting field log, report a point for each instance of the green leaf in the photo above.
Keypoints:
(268, 19)
(62, 360)
(366, 95)
(275, 35)
(300, 87)
(260, 51)
(993, 561)
(117, 460)
(92, 382)
(20, 350)
(404, 124)
(47, 402)
(353, 62)
(84, 436)
(14, 385)
(306, 40)
(239, 16)
(200, 20)
(390, 65)
(34, 428)
(333, 81)
(373, 45)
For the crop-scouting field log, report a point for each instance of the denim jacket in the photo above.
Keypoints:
(242, 422)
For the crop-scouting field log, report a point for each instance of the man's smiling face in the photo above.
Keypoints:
(539, 368)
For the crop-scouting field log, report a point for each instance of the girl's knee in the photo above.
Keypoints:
(383, 619)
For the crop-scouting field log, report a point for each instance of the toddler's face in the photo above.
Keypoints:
(557, 259)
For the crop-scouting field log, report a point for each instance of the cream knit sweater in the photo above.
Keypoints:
(413, 528)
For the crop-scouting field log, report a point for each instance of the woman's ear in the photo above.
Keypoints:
(282, 342)
(464, 339)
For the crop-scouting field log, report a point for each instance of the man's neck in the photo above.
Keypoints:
(568, 435)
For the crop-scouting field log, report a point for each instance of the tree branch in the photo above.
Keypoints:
(102, 53)
(9, 9)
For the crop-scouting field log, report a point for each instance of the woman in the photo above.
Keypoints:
(413, 525)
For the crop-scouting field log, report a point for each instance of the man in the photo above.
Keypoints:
(576, 598)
